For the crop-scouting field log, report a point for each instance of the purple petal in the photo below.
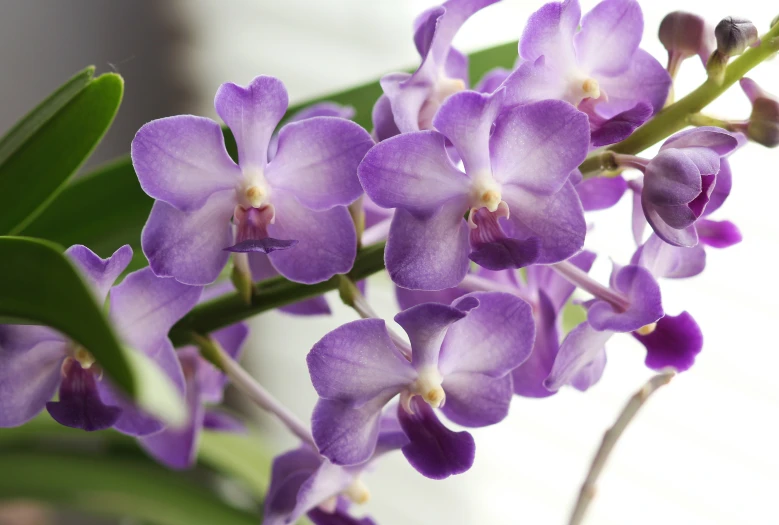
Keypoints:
(492, 80)
(675, 342)
(182, 161)
(407, 95)
(466, 120)
(550, 31)
(346, 435)
(673, 178)
(495, 337)
(324, 109)
(288, 473)
(391, 435)
(718, 234)
(433, 450)
(529, 377)
(189, 245)
(591, 373)
(28, 380)
(610, 35)
(357, 362)
(504, 253)
(327, 241)
(717, 139)
(412, 171)
(23, 337)
(426, 326)
(601, 193)
(620, 126)
(339, 517)
(383, 120)
(686, 237)
(262, 269)
(456, 12)
(644, 81)
(582, 347)
(673, 262)
(218, 421)
(429, 254)
(537, 146)
(99, 273)
(144, 307)
(79, 404)
(317, 161)
(252, 114)
(537, 80)
(326, 482)
(408, 298)
(556, 220)
(264, 246)
(476, 400)
(721, 189)
(643, 294)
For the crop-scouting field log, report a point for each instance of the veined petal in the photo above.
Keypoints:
(182, 161)
(538, 145)
(601, 193)
(189, 246)
(645, 80)
(288, 473)
(23, 337)
(610, 34)
(317, 161)
(426, 326)
(580, 349)
(494, 338)
(675, 342)
(557, 220)
(252, 114)
(144, 307)
(686, 237)
(327, 241)
(326, 482)
(357, 362)
(428, 254)
(413, 172)
(673, 262)
(100, 273)
(456, 12)
(466, 120)
(717, 139)
(550, 31)
(643, 294)
(672, 178)
(619, 127)
(29, 379)
(534, 81)
(407, 95)
(476, 400)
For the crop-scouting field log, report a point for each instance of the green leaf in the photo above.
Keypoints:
(108, 208)
(124, 488)
(38, 284)
(40, 154)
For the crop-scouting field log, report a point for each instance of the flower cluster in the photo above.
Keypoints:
(468, 187)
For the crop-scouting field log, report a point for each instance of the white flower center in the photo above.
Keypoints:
(357, 492)
(254, 191)
(428, 386)
(485, 192)
(84, 358)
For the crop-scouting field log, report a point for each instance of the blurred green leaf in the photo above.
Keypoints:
(38, 284)
(40, 154)
(126, 488)
(573, 315)
(107, 208)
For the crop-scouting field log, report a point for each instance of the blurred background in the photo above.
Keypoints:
(704, 451)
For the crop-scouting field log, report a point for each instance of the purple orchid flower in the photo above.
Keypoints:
(292, 208)
(36, 362)
(305, 483)
(599, 193)
(204, 385)
(598, 68)
(410, 101)
(521, 207)
(460, 361)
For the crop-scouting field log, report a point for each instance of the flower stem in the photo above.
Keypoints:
(613, 434)
(581, 279)
(244, 382)
(674, 117)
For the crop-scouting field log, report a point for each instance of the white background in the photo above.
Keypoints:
(703, 451)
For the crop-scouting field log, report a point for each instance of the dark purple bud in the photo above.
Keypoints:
(734, 35)
(763, 124)
(684, 35)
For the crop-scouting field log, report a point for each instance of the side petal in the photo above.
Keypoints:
(581, 348)
(326, 482)
(537, 146)
(675, 342)
(426, 326)
(288, 473)
(610, 35)
(428, 254)
(28, 380)
(476, 400)
(23, 337)
(357, 362)
(672, 262)
(183, 161)
(494, 338)
(317, 161)
(252, 114)
(645, 80)
(591, 373)
(346, 435)
(413, 172)
(719, 140)
(550, 31)
(433, 450)
(601, 193)
(537, 80)
(620, 126)
(100, 273)
(557, 220)
(144, 307)
(189, 246)
(718, 234)
(383, 120)
(327, 241)
(529, 377)
(645, 304)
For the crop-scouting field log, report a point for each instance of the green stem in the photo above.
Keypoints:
(267, 295)
(675, 117)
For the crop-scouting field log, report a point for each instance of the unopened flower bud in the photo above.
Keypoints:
(684, 35)
(734, 35)
(763, 124)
